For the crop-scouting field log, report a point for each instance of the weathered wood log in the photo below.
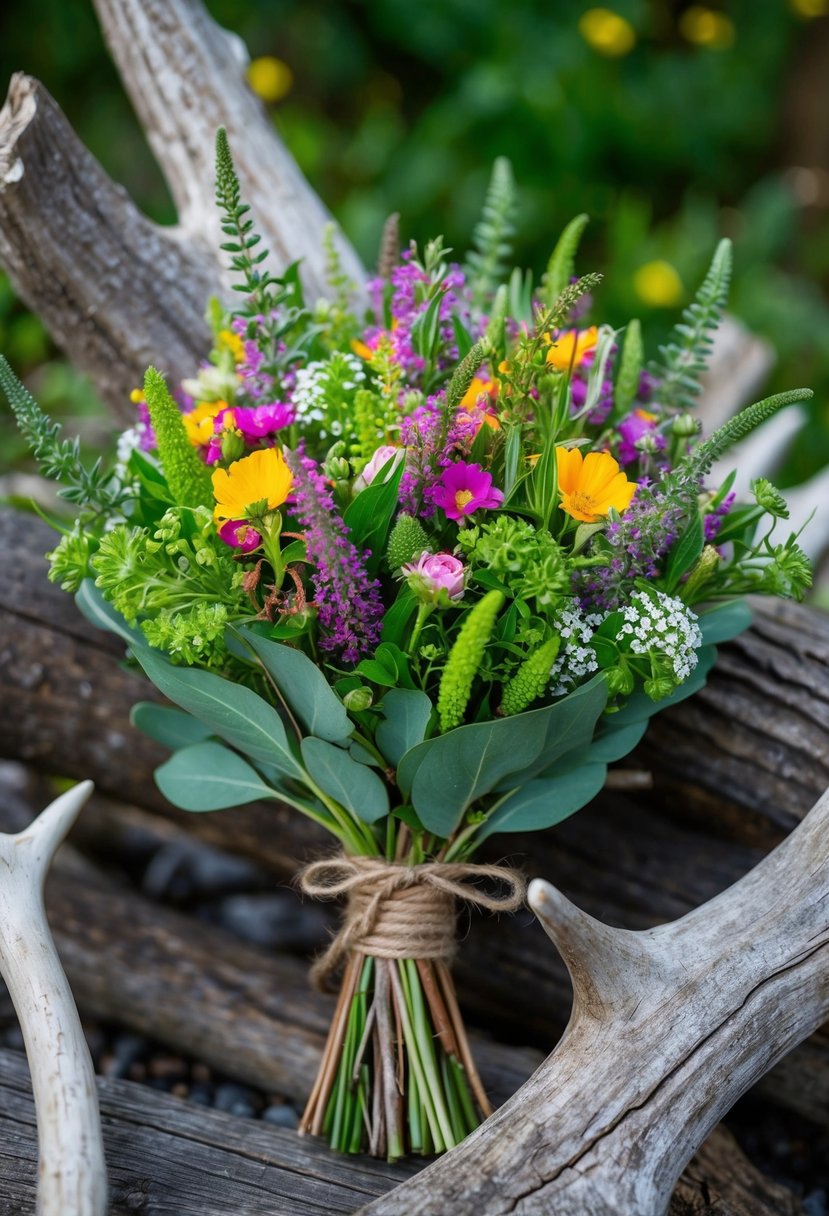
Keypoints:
(169, 1159)
(116, 291)
(669, 1027)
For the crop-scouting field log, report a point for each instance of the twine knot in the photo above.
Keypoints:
(399, 911)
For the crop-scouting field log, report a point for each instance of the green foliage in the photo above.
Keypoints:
(731, 432)
(190, 636)
(69, 560)
(546, 801)
(488, 260)
(368, 517)
(464, 374)
(561, 265)
(406, 716)
(685, 356)
(407, 541)
(187, 476)
(237, 224)
(769, 498)
(172, 728)
(528, 560)
(210, 777)
(630, 368)
(59, 459)
(465, 659)
(354, 786)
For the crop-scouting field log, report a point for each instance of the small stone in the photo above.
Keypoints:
(236, 1100)
(281, 1115)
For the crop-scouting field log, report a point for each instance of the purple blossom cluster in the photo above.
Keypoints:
(713, 520)
(640, 541)
(348, 602)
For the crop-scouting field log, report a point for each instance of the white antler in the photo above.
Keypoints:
(72, 1172)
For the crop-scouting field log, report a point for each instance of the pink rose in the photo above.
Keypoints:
(380, 458)
(433, 573)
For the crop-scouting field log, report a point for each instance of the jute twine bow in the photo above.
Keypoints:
(398, 911)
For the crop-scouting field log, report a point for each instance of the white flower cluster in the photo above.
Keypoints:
(659, 622)
(576, 658)
(319, 386)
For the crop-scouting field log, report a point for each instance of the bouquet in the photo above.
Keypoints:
(420, 568)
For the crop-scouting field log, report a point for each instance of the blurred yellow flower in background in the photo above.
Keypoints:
(810, 8)
(658, 284)
(569, 349)
(705, 27)
(607, 32)
(200, 422)
(270, 78)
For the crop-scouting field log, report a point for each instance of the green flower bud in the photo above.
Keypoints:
(465, 659)
(619, 681)
(187, 476)
(701, 572)
(337, 468)
(531, 679)
(659, 687)
(233, 446)
(684, 426)
(358, 699)
(406, 543)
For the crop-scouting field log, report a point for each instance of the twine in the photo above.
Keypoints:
(399, 911)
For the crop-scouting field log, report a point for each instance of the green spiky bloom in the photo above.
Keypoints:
(187, 477)
(465, 658)
(492, 238)
(701, 572)
(531, 679)
(463, 375)
(407, 541)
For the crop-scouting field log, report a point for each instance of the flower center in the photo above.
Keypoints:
(583, 503)
(462, 498)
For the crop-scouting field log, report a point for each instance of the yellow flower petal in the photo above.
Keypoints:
(591, 486)
(263, 476)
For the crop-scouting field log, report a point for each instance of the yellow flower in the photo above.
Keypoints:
(270, 78)
(360, 348)
(137, 396)
(261, 477)
(705, 27)
(229, 340)
(658, 285)
(569, 349)
(199, 423)
(592, 485)
(607, 32)
(475, 390)
(810, 8)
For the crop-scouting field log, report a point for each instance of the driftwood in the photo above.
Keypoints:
(169, 1159)
(669, 1027)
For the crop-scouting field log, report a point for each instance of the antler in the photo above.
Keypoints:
(72, 1172)
(669, 1027)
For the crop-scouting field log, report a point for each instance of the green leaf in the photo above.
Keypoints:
(209, 777)
(170, 727)
(545, 802)
(233, 712)
(406, 714)
(100, 613)
(426, 328)
(724, 622)
(640, 707)
(368, 517)
(445, 775)
(684, 553)
(630, 368)
(377, 672)
(303, 686)
(396, 620)
(353, 785)
(563, 259)
(616, 742)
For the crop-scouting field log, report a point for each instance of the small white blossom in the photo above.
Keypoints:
(660, 623)
(576, 658)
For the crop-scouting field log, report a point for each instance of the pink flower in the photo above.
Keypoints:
(465, 488)
(433, 573)
(257, 421)
(631, 429)
(240, 535)
(379, 459)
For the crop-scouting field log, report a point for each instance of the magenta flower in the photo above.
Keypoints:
(465, 488)
(434, 573)
(631, 429)
(257, 421)
(240, 535)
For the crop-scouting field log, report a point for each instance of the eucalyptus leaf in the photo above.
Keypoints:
(545, 802)
(406, 714)
(355, 786)
(724, 622)
(640, 707)
(170, 727)
(209, 777)
(233, 712)
(303, 686)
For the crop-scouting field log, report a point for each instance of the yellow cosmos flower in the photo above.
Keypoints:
(261, 477)
(199, 423)
(592, 485)
(569, 349)
(476, 388)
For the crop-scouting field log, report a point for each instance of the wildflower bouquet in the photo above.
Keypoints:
(420, 571)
